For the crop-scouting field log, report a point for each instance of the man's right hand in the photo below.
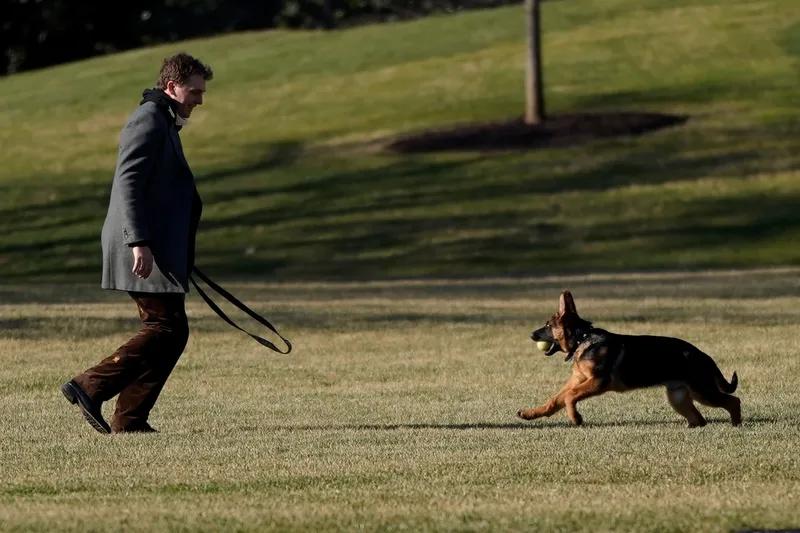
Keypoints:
(142, 261)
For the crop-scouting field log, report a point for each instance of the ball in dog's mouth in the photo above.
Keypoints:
(544, 345)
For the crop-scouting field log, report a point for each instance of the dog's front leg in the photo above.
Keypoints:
(555, 403)
(591, 387)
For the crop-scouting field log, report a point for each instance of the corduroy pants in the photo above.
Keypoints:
(138, 370)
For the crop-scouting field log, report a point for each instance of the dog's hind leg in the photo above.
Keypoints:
(680, 398)
(713, 397)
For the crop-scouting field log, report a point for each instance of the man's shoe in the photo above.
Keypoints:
(90, 409)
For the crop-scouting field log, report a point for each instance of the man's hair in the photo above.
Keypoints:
(179, 68)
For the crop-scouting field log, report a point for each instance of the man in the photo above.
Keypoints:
(148, 250)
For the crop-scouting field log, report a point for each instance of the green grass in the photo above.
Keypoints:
(396, 411)
(286, 156)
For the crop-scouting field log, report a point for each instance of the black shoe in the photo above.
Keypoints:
(90, 409)
(144, 427)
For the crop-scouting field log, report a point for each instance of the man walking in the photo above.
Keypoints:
(148, 242)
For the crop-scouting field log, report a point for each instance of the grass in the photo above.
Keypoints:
(396, 411)
(285, 148)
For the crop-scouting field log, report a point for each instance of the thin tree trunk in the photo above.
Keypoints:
(534, 94)
(327, 15)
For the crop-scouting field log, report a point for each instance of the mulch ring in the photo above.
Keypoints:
(559, 130)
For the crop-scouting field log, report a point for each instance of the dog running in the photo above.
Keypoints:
(604, 361)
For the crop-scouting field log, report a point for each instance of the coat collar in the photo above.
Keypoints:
(169, 107)
(166, 104)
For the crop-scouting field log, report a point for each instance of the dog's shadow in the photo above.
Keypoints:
(539, 425)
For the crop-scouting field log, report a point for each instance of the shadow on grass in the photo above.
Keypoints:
(558, 130)
(270, 157)
(416, 217)
(514, 426)
(367, 322)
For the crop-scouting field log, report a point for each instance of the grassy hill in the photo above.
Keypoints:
(287, 156)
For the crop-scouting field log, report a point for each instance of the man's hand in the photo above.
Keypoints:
(142, 261)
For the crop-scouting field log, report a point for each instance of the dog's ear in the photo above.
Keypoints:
(566, 305)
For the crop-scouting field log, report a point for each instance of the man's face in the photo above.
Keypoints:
(188, 94)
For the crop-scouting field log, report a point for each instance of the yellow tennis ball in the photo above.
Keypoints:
(544, 345)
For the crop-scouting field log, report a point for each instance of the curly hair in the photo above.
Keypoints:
(179, 68)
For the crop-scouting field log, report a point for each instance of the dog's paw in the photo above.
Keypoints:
(525, 414)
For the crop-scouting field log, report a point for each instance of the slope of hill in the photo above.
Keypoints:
(295, 185)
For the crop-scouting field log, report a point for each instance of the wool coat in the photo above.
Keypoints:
(154, 202)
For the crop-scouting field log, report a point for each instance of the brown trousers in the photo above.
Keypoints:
(138, 370)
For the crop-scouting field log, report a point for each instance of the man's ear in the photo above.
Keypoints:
(170, 88)
(566, 305)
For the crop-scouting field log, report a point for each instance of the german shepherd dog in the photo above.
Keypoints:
(604, 361)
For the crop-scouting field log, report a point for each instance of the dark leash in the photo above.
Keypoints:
(235, 301)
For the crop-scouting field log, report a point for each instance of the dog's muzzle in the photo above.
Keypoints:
(537, 337)
(554, 347)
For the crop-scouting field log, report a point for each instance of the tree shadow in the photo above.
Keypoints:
(415, 217)
(560, 131)
(271, 156)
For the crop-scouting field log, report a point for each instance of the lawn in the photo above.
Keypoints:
(287, 149)
(396, 411)
(409, 283)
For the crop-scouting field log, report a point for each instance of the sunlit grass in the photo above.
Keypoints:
(397, 411)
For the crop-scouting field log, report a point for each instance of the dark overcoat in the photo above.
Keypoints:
(153, 200)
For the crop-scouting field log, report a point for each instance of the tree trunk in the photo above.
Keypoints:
(327, 15)
(534, 94)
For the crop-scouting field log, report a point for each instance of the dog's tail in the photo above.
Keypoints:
(724, 386)
(704, 365)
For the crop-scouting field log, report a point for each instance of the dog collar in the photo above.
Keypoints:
(585, 339)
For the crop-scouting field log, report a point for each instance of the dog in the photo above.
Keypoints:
(604, 361)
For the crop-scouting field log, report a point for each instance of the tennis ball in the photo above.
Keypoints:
(544, 345)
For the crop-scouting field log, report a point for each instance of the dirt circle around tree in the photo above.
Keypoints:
(556, 131)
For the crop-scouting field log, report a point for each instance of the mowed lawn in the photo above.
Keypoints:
(396, 411)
